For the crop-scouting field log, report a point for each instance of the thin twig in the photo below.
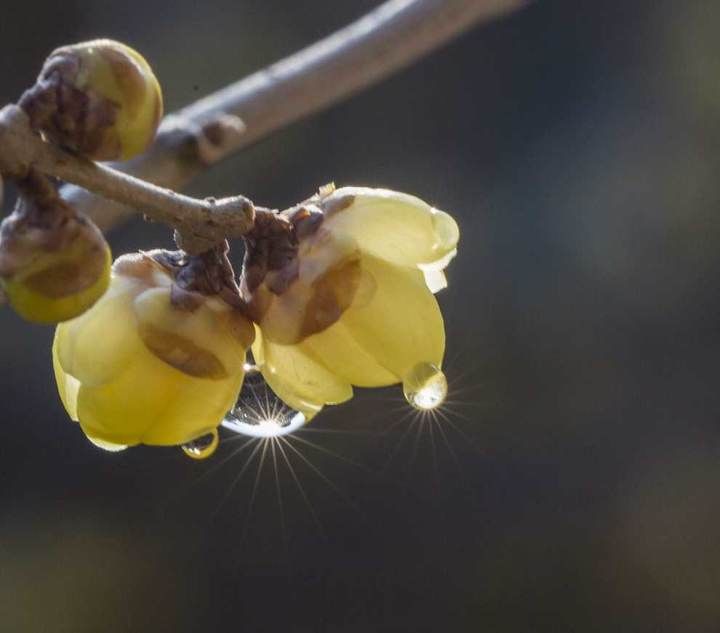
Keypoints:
(211, 220)
(382, 42)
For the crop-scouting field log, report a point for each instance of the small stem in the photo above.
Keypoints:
(210, 219)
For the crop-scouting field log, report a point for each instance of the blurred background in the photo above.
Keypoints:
(571, 484)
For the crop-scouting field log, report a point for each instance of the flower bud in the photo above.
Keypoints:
(151, 362)
(100, 98)
(357, 306)
(54, 262)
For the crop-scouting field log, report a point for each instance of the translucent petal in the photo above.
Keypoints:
(291, 398)
(67, 386)
(338, 350)
(106, 446)
(435, 280)
(124, 394)
(153, 403)
(198, 408)
(121, 411)
(299, 380)
(393, 226)
(402, 324)
(94, 347)
(324, 250)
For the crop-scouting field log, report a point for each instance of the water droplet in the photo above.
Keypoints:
(260, 413)
(106, 446)
(425, 386)
(203, 446)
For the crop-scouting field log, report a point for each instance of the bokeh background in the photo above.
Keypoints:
(571, 484)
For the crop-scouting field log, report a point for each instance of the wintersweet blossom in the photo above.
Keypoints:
(150, 363)
(356, 307)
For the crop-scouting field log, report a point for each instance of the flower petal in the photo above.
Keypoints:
(68, 386)
(393, 226)
(121, 410)
(339, 352)
(198, 408)
(297, 378)
(402, 324)
(93, 347)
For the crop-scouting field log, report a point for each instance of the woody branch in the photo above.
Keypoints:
(385, 40)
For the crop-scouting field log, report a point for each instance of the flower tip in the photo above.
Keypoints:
(446, 230)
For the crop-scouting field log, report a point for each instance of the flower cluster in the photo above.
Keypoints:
(335, 293)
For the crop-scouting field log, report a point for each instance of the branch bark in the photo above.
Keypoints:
(382, 42)
(209, 221)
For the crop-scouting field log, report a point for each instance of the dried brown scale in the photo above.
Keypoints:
(41, 190)
(182, 353)
(332, 295)
(66, 279)
(184, 299)
(77, 119)
(207, 274)
(40, 225)
(306, 222)
(254, 267)
(270, 246)
(40, 102)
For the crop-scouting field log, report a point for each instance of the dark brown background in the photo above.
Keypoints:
(577, 144)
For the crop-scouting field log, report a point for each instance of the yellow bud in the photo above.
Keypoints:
(151, 363)
(53, 267)
(107, 103)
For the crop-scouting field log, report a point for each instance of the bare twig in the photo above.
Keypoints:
(210, 220)
(385, 40)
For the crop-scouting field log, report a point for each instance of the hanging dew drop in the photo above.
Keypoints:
(425, 386)
(203, 446)
(260, 413)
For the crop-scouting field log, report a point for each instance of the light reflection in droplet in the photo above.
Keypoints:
(425, 386)
(264, 427)
(260, 413)
(203, 446)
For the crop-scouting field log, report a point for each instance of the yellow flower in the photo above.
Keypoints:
(357, 307)
(109, 102)
(150, 363)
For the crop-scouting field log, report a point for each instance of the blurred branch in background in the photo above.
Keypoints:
(391, 37)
